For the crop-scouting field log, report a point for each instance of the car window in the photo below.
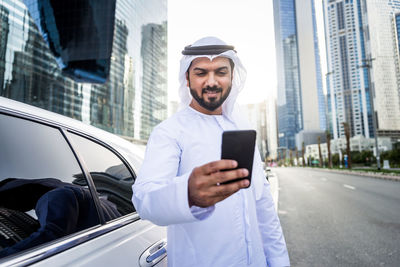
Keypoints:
(31, 150)
(112, 178)
(43, 194)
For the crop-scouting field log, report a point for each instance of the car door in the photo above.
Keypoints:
(130, 244)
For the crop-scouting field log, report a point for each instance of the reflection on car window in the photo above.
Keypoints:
(111, 177)
(30, 150)
(39, 175)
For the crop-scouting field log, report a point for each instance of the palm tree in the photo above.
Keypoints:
(347, 134)
(302, 153)
(319, 151)
(328, 144)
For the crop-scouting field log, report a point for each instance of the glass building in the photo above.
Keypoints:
(349, 89)
(301, 102)
(131, 101)
(289, 94)
(382, 48)
(321, 98)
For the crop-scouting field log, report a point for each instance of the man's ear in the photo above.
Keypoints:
(187, 79)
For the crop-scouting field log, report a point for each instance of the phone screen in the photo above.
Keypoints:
(239, 145)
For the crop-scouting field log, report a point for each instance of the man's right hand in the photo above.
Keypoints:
(205, 186)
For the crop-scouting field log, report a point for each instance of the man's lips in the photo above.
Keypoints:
(211, 93)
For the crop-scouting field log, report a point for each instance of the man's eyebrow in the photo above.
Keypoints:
(199, 69)
(222, 68)
(219, 69)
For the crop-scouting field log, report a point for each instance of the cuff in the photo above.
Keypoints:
(278, 261)
(182, 202)
(202, 213)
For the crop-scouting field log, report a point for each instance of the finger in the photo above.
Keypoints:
(226, 190)
(225, 176)
(218, 165)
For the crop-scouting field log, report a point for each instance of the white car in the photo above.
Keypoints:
(65, 194)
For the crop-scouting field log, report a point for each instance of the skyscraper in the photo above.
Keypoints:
(154, 95)
(29, 71)
(301, 104)
(382, 47)
(362, 60)
(4, 28)
(289, 105)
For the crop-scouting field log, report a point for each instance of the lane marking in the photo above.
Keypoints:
(349, 186)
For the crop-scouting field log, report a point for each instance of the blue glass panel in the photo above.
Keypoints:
(79, 34)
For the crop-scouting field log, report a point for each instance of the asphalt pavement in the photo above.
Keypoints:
(333, 219)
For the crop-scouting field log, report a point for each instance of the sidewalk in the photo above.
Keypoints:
(393, 177)
(274, 186)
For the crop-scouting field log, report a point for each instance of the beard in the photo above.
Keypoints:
(214, 102)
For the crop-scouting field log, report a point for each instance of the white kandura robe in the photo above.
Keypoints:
(238, 231)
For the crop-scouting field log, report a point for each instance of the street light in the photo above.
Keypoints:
(367, 64)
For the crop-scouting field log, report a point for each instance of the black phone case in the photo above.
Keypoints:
(239, 145)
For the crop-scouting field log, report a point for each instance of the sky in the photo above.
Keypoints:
(246, 24)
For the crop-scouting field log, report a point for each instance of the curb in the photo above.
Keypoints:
(365, 174)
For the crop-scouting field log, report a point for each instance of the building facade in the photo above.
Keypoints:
(262, 117)
(363, 63)
(383, 25)
(127, 104)
(256, 114)
(289, 99)
(301, 103)
(349, 91)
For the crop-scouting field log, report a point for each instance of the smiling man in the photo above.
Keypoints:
(181, 180)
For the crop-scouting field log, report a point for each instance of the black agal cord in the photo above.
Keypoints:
(206, 50)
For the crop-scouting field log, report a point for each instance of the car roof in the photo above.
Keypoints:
(133, 153)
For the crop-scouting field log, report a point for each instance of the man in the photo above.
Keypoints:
(180, 182)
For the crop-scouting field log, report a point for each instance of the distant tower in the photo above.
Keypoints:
(349, 90)
(362, 40)
(382, 20)
(4, 29)
(154, 61)
(301, 103)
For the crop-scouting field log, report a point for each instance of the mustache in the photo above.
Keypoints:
(213, 89)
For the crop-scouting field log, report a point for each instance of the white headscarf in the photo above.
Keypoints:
(239, 77)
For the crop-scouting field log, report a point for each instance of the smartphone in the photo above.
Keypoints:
(239, 146)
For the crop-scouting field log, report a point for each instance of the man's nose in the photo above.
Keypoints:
(211, 81)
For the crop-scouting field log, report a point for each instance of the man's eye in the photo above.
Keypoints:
(200, 73)
(222, 73)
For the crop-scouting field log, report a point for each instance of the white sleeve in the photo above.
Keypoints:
(269, 225)
(159, 195)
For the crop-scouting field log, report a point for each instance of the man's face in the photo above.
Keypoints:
(210, 83)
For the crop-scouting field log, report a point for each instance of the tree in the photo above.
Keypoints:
(302, 153)
(393, 156)
(291, 157)
(328, 144)
(284, 156)
(297, 156)
(335, 159)
(347, 134)
(319, 151)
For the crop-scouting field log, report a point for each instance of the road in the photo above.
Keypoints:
(332, 219)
